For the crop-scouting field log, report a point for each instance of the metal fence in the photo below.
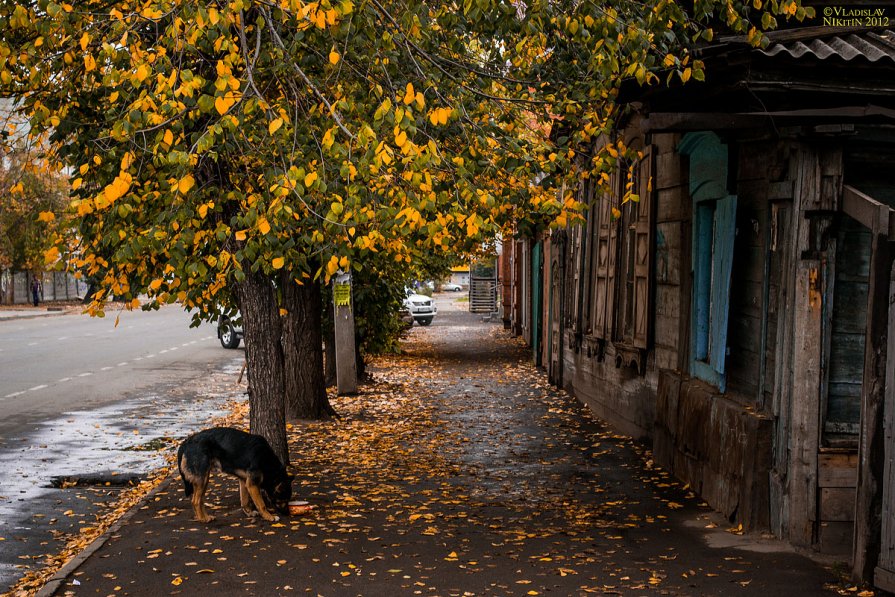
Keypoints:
(15, 287)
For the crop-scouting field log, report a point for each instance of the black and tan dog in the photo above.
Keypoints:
(244, 455)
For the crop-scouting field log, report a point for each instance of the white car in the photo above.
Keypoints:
(420, 307)
(451, 287)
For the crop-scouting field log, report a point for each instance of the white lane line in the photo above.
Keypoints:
(35, 388)
(64, 379)
(162, 351)
(32, 344)
(186, 344)
(14, 394)
(150, 356)
(138, 358)
(122, 364)
(85, 374)
(107, 368)
(62, 338)
(174, 348)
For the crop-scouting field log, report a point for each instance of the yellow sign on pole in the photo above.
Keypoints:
(342, 295)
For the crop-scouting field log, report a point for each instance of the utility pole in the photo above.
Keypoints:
(343, 318)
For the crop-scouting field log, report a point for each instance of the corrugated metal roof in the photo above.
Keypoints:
(868, 45)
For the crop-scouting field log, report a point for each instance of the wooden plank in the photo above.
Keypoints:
(837, 470)
(804, 403)
(884, 575)
(884, 579)
(837, 504)
(861, 207)
(700, 121)
(780, 190)
(871, 464)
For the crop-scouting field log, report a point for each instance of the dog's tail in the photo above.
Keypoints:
(187, 486)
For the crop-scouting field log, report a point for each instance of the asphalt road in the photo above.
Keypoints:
(81, 396)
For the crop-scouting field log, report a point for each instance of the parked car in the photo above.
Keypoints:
(451, 287)
(420, 307)
(229, 332)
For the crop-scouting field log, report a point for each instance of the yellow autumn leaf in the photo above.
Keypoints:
(333, 266)
(155, 284)
(168, 139)
(85, 40)
(223, 103)
(310, 178)
(51, 255)
(328, 139)
(46, 216)
(76, 184)
(185, 184)
(177, 581)
(241, 235)
(89, 62)
(278, 263)
(203, 210)
(409, 95)
(142, 72)
(263, 226)
(334, 57)
(274, 125)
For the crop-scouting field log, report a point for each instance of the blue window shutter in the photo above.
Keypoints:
(725, 234)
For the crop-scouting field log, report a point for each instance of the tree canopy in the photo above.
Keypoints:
(206, 138)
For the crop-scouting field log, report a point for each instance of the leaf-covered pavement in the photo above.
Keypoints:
(458, 471)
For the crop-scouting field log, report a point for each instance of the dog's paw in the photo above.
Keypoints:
(206, 519)
(271, 518)
(250, 513)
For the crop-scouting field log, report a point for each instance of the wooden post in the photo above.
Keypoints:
(868, 505)
(884, 576)
(343, 320)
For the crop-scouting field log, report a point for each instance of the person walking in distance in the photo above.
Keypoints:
(35, 290)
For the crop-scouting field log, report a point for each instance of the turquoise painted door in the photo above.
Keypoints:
(537, 300)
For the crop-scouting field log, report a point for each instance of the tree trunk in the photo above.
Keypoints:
(330, 371)
(264, 359)
(303, 350)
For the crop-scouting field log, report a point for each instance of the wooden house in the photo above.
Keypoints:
(741, 315)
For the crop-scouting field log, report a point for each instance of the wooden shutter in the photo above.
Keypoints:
(605, 258)
(643, 250)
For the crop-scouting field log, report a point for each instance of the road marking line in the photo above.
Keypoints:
(162, 351)
(85, 374)
(14, 394)
(122, 364)
(174, 348)
(32, 344)
(35, 388)
(107, 368)
(64, 379)
(62, 338)
(138, 358)
(150, 356)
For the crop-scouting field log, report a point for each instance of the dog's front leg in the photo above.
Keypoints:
(245, 499)
(255, 493)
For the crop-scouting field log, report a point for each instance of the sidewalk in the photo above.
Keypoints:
(9, 312)
(459, 472)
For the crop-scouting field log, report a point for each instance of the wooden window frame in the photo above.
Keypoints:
(714, 234)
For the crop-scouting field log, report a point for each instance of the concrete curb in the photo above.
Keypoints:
(39, 315)
(56, 581)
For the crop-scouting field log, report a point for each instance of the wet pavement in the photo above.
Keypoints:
(457, 471)
(65, 474)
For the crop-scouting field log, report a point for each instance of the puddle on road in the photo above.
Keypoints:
(42, 469)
